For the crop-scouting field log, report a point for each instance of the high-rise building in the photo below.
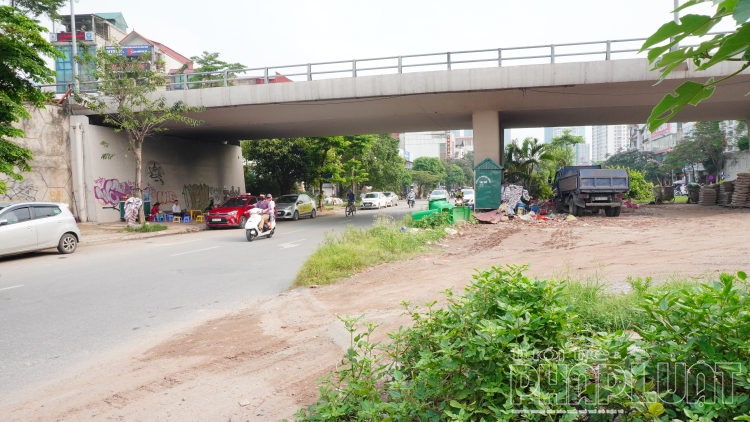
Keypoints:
(608, 140)
(582, 154)
(438, 144)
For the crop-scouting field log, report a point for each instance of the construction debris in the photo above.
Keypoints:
(708, 195)
(741, 197)
(726, 190)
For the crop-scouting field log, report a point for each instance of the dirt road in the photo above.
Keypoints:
(262, 363)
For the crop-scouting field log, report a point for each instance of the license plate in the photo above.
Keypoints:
(601, 198)
(216, 219)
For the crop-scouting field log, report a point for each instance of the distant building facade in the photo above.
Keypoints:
(608, 140)
(437, 144)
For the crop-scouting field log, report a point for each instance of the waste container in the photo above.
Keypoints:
(146, 209)
(488, 180)
(461, 214)
(418, 215)
(440, 204)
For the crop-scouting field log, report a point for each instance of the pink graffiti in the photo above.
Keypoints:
(111, 191)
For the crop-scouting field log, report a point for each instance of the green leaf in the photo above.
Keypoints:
(688, 24)
(742, 275)
(741, 11)
(688, 93)
(733, 45)
(656, 409)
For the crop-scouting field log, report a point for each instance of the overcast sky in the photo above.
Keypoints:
(271, 33)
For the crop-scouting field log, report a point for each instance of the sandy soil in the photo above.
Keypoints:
(262, 363)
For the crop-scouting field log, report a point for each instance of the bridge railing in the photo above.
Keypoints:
(537, 54)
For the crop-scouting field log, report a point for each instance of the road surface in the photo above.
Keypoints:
(58, 313)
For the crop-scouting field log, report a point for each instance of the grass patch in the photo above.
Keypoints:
(605, 311)
(145, 228)
(345, 254)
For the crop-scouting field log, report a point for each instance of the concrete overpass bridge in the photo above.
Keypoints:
(557, 85)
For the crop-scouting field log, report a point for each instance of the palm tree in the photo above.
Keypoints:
(522, 159)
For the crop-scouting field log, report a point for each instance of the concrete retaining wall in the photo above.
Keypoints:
(190, 171)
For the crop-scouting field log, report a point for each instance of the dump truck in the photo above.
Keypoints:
(579, 188)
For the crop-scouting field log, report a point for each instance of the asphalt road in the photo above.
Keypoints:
(59, 313)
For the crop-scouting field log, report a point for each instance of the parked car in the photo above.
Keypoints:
(392, 198)
(292, 207)
(468, 196)
(437, 194)
(234, 212)
(32, 226)
(374, 200)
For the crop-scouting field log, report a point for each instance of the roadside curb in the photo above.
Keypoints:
(107, 238)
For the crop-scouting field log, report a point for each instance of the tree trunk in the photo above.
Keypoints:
(138, 152)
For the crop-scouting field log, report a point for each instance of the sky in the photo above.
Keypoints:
(265, 33)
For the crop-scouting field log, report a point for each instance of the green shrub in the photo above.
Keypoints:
(640, 189)
(514, 348)
(433, 221)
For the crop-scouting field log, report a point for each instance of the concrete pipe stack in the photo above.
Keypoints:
(726, 190)
(741, 195)
(708, 195)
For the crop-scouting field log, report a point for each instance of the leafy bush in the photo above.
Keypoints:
(640, 189)
(511, 349)
(433, 221)
(342, 255)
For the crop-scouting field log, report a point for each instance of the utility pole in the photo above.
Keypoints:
(74, 41)
(676, 20)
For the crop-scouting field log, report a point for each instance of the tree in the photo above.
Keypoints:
(385, 168)
(425, 180)
(36, 8)
(708, 142)
(455, 177)
(21, 66)
(284, 161)
(430, 164)
(467, 165)
(209, 62)
(665, 55)
(645, 162)
(521, 160)
(561, 148)
(124, 85)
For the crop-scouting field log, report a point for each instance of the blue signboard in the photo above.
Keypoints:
(130, 50)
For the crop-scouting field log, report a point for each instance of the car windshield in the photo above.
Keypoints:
(371, 195)
(468, 191)
(287, 199)
(388, 194)
(438, 192)
(234, 202)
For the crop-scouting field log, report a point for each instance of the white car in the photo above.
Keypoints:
(374, 200)
(392, 199)
(437, 194)
(32, 226)
(468, 196)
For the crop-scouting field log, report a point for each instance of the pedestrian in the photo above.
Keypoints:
(321, 200)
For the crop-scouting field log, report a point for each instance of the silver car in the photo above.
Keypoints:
(32, 226)
(291, 207)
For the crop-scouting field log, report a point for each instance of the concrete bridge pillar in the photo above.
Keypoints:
(488, 136)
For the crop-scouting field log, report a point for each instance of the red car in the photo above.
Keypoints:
(234, 212)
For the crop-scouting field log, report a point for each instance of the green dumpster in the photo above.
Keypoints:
(488, 180)
(461, 214)
(418, 215)
(440, 204)
(146, 209)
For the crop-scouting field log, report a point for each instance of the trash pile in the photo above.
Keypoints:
(741, 196)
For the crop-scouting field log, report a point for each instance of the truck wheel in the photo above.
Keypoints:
(612, 211)
(574, 209)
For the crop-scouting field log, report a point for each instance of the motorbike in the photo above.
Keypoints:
(251, 227)
(460, 202)
(410, 202)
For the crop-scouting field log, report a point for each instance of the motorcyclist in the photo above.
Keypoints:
(269, 212)
(411, 196)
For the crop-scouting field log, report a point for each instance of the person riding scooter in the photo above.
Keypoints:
(459, 198)
(410, 197)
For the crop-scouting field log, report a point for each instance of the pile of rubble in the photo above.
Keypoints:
(741, 195)
(708, 195)
(726, 190)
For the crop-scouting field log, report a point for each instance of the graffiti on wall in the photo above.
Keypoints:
(109, 191)
(56, 195)
(20, 191)
(155, 172)
(198, 196)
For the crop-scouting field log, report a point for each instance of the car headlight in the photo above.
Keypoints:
(232, 213)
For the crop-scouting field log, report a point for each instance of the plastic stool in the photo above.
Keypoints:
(186, 219)
(161, 218)
(199, 218)
(176, 219)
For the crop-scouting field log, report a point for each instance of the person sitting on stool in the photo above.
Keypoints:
(176, 210)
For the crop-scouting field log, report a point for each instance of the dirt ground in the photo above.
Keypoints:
(262, 363)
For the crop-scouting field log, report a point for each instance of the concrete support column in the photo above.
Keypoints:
(488, 136)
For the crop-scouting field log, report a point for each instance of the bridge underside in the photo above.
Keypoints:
(598, 104)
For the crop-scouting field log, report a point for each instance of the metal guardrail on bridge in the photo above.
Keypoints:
(551, 53)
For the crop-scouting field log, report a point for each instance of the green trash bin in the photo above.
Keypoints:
(418, 215)
(461, 214)
(488, 181)
(440, 204)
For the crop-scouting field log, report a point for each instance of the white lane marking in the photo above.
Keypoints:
(13, 287)
(199, 250)
(294, 231)
(292, 244)
(178, 243)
